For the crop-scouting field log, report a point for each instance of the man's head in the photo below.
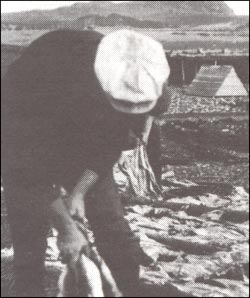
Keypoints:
(132, 69)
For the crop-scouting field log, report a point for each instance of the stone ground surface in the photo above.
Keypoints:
(198, 244)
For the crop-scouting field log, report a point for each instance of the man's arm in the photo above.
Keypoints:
(86, 182)
(70, 240)
(61, 215)
(147, 128)
(75, 202)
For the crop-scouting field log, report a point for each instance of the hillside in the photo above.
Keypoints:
(169, 13)
(113, 20)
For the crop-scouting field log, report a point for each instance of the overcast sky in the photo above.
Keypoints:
(240, 7)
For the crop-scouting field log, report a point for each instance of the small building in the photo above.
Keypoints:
(216, 81)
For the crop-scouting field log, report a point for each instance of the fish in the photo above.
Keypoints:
(81, 279)
(89, 275)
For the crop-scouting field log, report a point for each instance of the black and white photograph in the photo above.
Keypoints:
(124, 148)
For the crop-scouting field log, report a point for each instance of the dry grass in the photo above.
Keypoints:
(171, 41)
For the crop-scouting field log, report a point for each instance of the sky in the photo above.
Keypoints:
(240, 7)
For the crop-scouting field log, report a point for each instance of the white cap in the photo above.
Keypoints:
(132, 69)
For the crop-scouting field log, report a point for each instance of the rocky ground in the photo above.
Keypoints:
(182, 103)
(197, 239)
(198, 242)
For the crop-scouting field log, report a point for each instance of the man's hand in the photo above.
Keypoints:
(75, 204)
(71, 243)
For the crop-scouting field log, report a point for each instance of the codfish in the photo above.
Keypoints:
(89, 276)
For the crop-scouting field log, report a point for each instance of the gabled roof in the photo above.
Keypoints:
(212, 81)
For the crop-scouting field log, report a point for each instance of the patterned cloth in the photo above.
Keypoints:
(134, 175)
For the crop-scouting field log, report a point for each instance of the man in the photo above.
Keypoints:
(68, 104)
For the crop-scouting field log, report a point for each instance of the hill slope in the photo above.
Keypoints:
(158, 11)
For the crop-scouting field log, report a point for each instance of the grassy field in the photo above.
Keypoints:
(20, 38)
(171, 39)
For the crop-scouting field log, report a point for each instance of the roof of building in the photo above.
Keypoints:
(219, 80)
